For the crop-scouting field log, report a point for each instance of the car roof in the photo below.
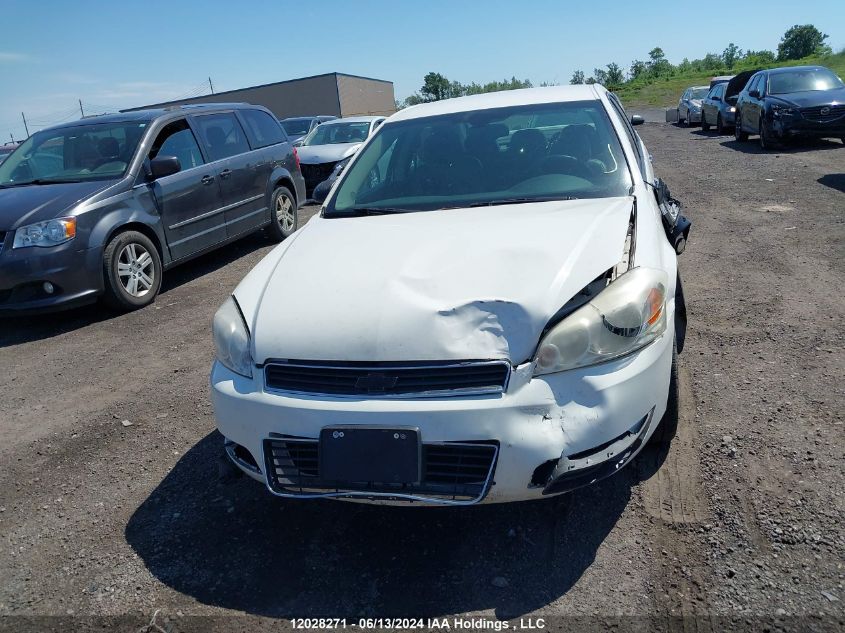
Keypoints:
(502, 99)
(152, 114)
(786, 69)
(698, 87)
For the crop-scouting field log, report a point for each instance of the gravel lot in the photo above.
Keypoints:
(112, 501)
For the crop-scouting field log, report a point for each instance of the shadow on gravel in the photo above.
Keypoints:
(834, 181)
(752, 146)
(229, 543)
(17, 330)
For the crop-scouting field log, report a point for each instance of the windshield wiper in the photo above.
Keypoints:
(39, 181)
(493, 203)
(357, 212)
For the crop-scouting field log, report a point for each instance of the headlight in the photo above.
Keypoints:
(732, 109)
(48, 233)
(231, 339)
(340, 166)
(624, 317)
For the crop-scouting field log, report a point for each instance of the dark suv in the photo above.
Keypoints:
(102, 206)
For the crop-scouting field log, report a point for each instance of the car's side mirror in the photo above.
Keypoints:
(162, 166)
(636, 119)
(754, 94)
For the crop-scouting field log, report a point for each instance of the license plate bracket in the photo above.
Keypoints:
(369, 454)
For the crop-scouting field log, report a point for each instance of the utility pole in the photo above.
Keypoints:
(81, 111)
(25, 127)
(211, 85)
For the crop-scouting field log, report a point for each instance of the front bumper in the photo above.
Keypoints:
(549, 430)
(797, 127)
(74, 274)
(314, 174)
(694, 116)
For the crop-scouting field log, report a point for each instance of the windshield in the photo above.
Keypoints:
(699, 93)
(333, 133)
(73, 154)
(508, 155)
(803, 80)
(297, 127)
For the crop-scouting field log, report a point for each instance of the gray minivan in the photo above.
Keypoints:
(102, 206)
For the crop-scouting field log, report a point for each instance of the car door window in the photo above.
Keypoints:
(177, 139)
(222, 135)
(261, 128)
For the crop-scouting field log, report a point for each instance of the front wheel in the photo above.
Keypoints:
(705, 126)
(766, 142)
(131, 270)
(668, 427)
(720, 128)
(285, 217)
(739, 134)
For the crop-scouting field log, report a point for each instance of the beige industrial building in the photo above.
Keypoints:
(337, 94)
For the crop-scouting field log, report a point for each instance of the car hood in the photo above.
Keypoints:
(696, 102)
(812, 98)
(461, 284)
(35, 203)
(316, 154)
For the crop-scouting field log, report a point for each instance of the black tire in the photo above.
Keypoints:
(668, 427)
(283, 224)
(766, 142)
(705, 126)
(132, 271)
(739, 134)
(680, 120)
(720, 128)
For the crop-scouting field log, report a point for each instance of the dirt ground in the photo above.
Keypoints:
(113, 504)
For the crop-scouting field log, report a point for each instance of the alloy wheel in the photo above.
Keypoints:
(284, 213)
(136, 269)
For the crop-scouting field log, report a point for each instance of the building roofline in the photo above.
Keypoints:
(273, 83)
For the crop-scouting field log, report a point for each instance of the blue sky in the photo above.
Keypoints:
(119, 54)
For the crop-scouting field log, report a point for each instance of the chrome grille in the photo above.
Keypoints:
(459, 472)
(387, 379)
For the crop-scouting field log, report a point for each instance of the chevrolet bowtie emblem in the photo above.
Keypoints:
(376, 382)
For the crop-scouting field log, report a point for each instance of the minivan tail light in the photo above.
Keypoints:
(296, 157)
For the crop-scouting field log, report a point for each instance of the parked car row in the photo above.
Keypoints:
(419, 357)
(777, 104)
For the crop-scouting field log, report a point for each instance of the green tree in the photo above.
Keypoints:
(436, 87)
(614, 76)
(638, 69)
(801, 41)
(577, 77)
(658, 65)
(731, 55)
(599, 76)
(758, 58)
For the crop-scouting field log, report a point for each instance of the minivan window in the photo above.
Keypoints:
(176, 139)
(222, 135)
(483, 158)
(262, 129)
(95, 151)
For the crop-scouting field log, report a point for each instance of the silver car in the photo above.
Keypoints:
(689, 105)
(331, 144)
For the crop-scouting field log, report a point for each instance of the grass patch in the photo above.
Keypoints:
(664, 92)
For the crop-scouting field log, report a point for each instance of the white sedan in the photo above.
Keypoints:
(487, 309)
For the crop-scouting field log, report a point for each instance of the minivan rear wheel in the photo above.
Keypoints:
(739, 133)
(285, 216)
(131, 271)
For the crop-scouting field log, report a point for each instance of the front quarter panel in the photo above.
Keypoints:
(132, 206)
